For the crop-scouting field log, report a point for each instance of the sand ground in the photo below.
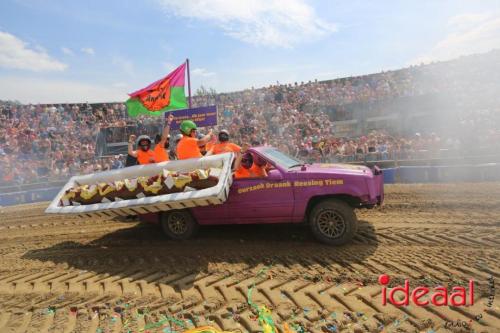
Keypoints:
(65, 274)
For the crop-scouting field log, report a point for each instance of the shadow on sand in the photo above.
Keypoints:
(143, 253)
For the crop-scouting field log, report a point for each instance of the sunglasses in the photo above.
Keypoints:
(144, 145)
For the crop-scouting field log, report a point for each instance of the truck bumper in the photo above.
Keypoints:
(379, 184)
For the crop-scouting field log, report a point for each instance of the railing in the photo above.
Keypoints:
(121, 134)
(406, 155)
(113, 140)
(32, 186)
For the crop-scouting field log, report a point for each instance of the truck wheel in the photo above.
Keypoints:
(333, 222)
(178, 224)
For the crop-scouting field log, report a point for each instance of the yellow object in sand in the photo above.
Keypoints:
(207, 329)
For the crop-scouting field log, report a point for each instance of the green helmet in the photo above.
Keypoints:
(187, 126)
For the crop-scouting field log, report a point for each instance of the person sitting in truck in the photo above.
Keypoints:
(189, 145)
(144, 153)
(242, 166)
(259, 166)
(247, 167)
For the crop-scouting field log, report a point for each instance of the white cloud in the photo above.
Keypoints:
(468, 34)
(44, 90)
(67, 51)
(467, 20)
(88, 50)
(15, 53)
(282, 23)
(202, 72)
(125, 65)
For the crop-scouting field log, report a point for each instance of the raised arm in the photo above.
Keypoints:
(166, 130)
(203, 141)
(131, 150)
(237, 161)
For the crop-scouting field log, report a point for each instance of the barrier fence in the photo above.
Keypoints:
(442, 174)
(28, 196)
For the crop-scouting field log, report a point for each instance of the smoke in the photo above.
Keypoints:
(459, 100)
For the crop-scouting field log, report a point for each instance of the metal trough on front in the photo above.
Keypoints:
(209, 196)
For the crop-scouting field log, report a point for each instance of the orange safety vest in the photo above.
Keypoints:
(188, 148)
(254, 172)
(242, 173)
(257, 171)
(160, 154)
(144, 157)
(226, 147)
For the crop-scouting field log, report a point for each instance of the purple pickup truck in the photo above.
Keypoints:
(322, 195)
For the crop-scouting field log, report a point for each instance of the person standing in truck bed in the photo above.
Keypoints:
(224, 145)
(144, 153)
(189, 145)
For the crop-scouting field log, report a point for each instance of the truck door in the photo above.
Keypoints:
(261, 200)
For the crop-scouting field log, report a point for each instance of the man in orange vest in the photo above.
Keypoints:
(223, 145)
(144, 153)
(246, 166)
(189, 145)
(161, 152)
(258, 168)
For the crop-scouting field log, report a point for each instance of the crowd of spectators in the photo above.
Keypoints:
(44, 142)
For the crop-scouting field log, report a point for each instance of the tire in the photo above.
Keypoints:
(178, 224)
(333, 222)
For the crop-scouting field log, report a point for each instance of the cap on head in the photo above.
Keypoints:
(223, 135)
(142, 138)
(187, 126)
(144, 142)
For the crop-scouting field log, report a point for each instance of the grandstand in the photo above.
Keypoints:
(437, 110)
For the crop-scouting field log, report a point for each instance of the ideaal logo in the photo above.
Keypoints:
(439, 296)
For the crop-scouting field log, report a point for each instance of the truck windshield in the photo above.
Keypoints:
(281, 159)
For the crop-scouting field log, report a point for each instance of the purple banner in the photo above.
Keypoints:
(203, 116)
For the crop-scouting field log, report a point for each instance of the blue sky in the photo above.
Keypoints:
(77, 51)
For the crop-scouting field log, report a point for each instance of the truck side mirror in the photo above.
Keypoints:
(274, 174)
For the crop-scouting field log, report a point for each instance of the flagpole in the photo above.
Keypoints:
(189, 83)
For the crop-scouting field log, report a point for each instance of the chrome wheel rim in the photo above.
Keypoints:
(331, 223)
(177, 223)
